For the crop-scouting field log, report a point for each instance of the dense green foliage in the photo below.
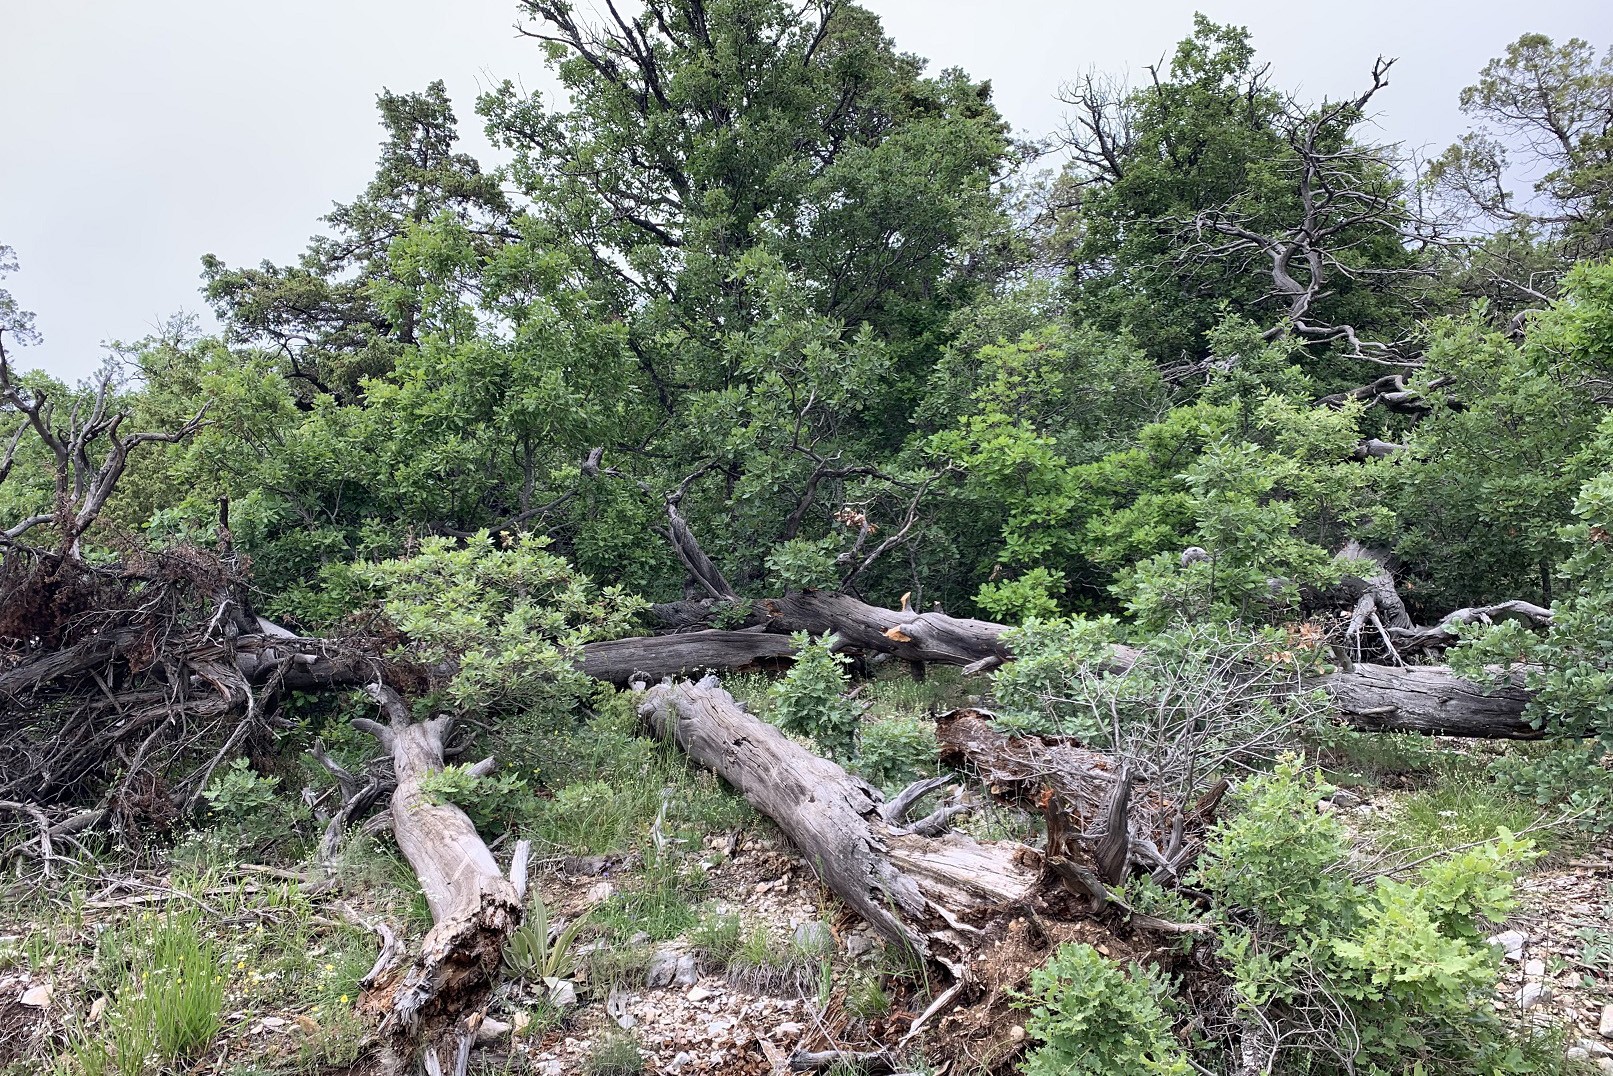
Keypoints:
(1402, 960)
(1091, 1018)
(759, 287)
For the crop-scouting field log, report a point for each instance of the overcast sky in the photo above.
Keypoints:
(140, 136)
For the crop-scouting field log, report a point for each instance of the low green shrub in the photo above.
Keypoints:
(1400, 960)
(1093, 1019)
(494, 802)
(896, 751)
(1567, 777)
(810, 700)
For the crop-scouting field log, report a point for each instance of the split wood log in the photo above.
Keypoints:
(1103, 824)
(434, 1005)
(924, 894)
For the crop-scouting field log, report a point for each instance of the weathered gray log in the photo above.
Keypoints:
(908, 634)
(657, 657)
(917, 892)
(1428, 699)
(1413, 639)
(430, 1005)
(1378, 698)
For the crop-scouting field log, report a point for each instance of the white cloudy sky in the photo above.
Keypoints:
(139, 136)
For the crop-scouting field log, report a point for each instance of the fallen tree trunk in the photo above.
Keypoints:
(983, 911)
(1379, 698)
(920, 893)
(657, 657)
(435, 1004)
(1428, 699)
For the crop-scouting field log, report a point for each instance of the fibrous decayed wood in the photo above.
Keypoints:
(961, 903)
(1104, 825)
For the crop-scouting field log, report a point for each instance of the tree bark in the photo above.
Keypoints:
(657, 657)
(435, 1003)
(918, 892)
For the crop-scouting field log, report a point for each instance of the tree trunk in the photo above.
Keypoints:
(1378, 698)
(657, 657)
(918, 892)
(1428, 699)
(439, 998)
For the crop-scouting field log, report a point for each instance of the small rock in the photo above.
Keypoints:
(638, 938)
(1605, 1064)
(491, 1030)
(814, 937)
(687, 972)
(698, 993)
(37, 997)
(1533, 994)
(1594, 1048)
(1344, 799)
(600, 891)
(663, 969)
(1016, 1033)
(1604, 1027)
(1511, 943)
(273, 1022)
(859, 944)
(1577, 1053)
(1535, 968)
(683, 1058)
(562, 993)
(787, 1030)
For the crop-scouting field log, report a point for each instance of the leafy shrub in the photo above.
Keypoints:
(803, 563)
(1569, 776)
(1401, 959)
(1277, 855)
(1030, 596)
(495, 801)
(238, 794)
(810, 700)
(1569, 669)
(1093, 1019)
(896, 751)
(508, 613)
